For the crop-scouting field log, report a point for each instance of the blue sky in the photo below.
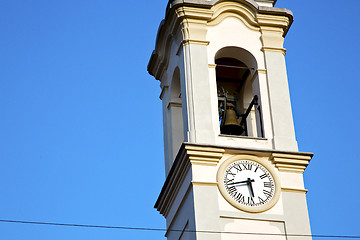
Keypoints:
(81, 122)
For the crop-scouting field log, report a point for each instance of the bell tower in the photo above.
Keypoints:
(231, 158)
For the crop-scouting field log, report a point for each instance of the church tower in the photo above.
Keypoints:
(231, 158)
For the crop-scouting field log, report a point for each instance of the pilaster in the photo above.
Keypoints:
(273, 28)
(197, 88)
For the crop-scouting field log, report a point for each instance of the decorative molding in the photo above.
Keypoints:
(274, 49)
(204, 155)
(267, 1)
(271, 20)
(204, 183)
(290, 162)
(187, 156)
(254, 218)
(243, 137)
(252, 25)
(174, 190)
(179, 50)
(244, 12)
(212, 65)
(187, 24)
(172, 184)
(262, 71)
(196, 42)
(294, 190)
(174, 104)
(193, 12)
(163, 90)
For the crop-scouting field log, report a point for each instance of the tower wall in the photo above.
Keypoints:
(194, 36)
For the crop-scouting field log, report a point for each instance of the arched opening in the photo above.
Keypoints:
(238, 99)
(176, 115)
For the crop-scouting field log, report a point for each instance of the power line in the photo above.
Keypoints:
(176, 230)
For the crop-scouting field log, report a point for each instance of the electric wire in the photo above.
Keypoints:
(176, 230)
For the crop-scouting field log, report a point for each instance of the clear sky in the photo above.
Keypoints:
(81, 122)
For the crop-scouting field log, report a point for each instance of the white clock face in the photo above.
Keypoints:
(249, 183)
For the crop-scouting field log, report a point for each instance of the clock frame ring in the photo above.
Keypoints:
(250, 209)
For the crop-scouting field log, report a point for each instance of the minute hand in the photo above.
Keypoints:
(246, 181)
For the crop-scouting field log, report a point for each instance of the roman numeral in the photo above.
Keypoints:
(238, 168)
(247, 166)
(237, 196)
(227, 181)
(263, 176)
(256, 169)
(267, 184)
(240, 198)
(231, 189)
(251, 201)
(267, 193)
(233, 174)
(261, 200)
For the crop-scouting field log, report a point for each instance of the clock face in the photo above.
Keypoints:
(249, 183)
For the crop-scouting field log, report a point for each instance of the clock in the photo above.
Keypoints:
(249, 183)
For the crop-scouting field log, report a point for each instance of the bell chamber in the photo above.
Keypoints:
(237, 116)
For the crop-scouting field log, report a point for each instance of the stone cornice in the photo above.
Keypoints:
(290, 162)
(273, 2)
(173, 183)
(204, 155)
(188, 19)
(188, 155)
(243, 12)
(294, 190)
(259, 151)
(173, 4)
(173, 104)
(274, 49)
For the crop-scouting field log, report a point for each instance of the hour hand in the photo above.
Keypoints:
(250, 186)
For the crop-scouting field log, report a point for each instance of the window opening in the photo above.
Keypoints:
(231, 77)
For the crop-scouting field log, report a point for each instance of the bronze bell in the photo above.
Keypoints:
(230, 124)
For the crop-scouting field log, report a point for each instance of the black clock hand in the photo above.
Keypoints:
(250, 186)
(233, 183)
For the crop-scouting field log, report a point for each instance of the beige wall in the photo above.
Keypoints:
(187, 45)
